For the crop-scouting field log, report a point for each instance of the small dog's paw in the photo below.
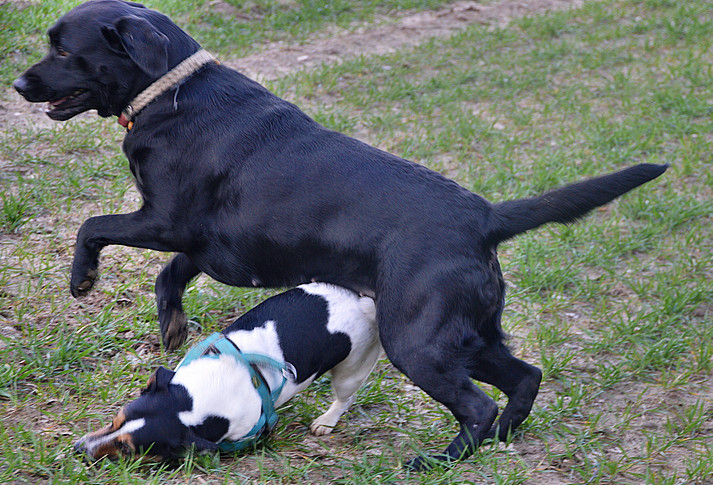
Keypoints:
(322, 426)
(175, 331)
(82, 285)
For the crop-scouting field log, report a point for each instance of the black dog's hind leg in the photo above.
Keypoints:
(430, 353)
(519, 380)
(449, 384)
(170, 284)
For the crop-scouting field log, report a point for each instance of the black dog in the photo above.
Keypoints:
(248, 189)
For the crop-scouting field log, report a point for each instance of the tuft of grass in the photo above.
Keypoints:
(14, 211)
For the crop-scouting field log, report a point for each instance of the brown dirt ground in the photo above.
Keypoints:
(281, 59)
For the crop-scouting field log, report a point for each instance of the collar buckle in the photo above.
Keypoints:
(175, 76)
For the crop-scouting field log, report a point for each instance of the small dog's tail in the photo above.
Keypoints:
(565, 204)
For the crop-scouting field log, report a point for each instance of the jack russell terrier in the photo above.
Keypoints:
(223, 394)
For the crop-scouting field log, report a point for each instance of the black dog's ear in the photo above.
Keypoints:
(201, 444)
(159, 380)
(112, 37)
(137, 38)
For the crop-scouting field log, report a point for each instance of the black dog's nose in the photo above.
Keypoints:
(20, 85)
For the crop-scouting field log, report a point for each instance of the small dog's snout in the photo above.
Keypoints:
(79, 446)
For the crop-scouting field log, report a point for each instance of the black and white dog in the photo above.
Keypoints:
(223, 394)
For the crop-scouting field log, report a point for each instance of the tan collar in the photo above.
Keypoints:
(186, 68)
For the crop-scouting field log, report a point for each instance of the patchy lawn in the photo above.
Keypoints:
(507, 100)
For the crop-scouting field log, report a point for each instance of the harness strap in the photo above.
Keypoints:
(218, 344)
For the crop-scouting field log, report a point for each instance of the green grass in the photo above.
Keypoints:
(230, 28)
(616, 309)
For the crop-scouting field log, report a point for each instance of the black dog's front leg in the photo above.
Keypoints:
(170, 285)
(137, 229)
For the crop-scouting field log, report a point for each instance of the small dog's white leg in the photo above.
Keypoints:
(347, 377)
(324, 424)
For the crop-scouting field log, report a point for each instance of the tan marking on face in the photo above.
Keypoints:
(128, 440)
(151, 380)
(108, 449)
(118, 420)
(121, 444)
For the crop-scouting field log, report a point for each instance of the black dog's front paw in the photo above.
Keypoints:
(82, 283)
(174, 328)
(170, 284)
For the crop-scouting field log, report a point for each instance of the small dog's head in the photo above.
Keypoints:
(150, 425)
(102, 53)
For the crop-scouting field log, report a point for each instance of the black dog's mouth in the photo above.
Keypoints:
(64, 108)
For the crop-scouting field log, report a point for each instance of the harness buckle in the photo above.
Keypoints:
(289, 372)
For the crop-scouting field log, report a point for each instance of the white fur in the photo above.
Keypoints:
(222, 387)
(126, 428)
(356, 317)
(263, 340)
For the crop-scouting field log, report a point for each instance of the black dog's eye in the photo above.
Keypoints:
(61, 52)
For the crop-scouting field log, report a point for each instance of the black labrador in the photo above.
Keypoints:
(247, 188)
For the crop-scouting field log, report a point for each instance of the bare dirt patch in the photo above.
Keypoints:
(280, 59)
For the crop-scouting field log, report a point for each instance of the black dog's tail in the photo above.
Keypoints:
(566, 204)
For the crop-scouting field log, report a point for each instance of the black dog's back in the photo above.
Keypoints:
(566, 204)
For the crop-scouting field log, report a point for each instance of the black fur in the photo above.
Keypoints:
(160, 404)
(296, 314)
(251, 191)
(567, 204)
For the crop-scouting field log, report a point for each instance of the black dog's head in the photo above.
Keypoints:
(151, 426)
(102, 54)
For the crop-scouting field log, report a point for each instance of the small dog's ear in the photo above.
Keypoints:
(140, 40)
(201, 444)
(159, 380)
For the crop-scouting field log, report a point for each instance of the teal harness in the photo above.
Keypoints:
(218, 344)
